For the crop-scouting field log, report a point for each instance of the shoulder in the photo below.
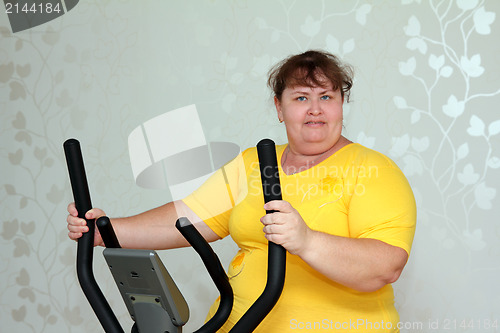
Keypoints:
(249, 153)
(249, 158)
(368, 165)
(361, 155)
(375, 178)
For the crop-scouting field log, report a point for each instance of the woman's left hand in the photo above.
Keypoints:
(285, 226)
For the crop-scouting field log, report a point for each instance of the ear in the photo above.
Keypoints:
(277, 104)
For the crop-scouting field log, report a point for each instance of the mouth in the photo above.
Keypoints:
(314, 123)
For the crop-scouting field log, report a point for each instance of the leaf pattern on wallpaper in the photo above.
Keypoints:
(362, 13)
(483, 21)
(454, 108)
(449, 55)
(31, 193)
(45, 77)
(312, 26)
(408, 67)
(476, 127)
(472, 66)
(6, 71)
(417, 44)
(9, 229)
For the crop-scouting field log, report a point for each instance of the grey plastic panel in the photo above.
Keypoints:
(142, 278)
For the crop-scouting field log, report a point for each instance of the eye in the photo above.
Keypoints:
(325, 97)
(301, 98)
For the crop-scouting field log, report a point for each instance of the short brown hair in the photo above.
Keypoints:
(310, 69)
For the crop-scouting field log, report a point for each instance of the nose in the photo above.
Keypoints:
(314, 107)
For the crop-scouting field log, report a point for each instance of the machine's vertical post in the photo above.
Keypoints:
(276, 268)
(85, 248)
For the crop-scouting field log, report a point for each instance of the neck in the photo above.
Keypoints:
(293, 161)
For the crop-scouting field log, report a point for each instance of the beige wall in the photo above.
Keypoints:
(427, 93)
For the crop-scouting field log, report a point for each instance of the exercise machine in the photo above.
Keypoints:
(152, 298)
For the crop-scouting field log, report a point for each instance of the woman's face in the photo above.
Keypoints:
(312, 116)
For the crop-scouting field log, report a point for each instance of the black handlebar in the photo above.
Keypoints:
(216, 271)
(276, 268)
(107, 232)
(85, 248)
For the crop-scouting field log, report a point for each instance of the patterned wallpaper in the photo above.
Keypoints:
(426, 93)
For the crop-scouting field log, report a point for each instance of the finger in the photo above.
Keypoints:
(266, 219)
(77, 228)
(74, 220)
(75, 235)
(72, 209)
(272, 218)
(94, 213)
(268, 229)
(279, 205)
(275, 238)
(275, 229)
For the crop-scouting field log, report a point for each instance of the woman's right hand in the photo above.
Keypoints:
(78, 226)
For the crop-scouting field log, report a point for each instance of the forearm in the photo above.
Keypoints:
(155, 229)
(361, 264)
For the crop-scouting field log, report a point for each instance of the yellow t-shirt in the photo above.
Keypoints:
(356, 192)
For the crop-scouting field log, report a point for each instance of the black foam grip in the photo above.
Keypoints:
(216, 271)
(107, 232)
(269, 172)
(276, 268)
(85, 250)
